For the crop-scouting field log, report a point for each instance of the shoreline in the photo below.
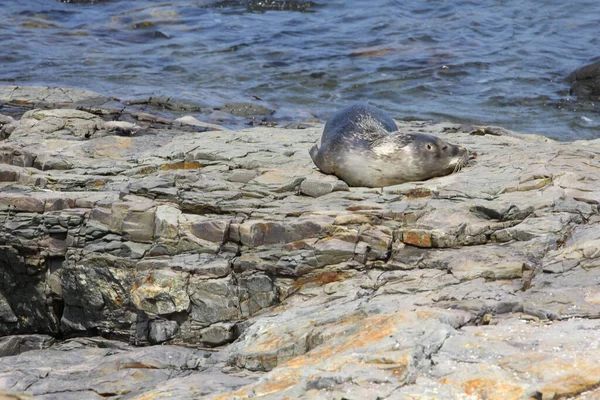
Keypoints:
(15, 100)
(188, 260)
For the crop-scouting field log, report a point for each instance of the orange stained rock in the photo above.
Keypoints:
(273, 342)
(397, 363)
(149, 279)
(181, 165)
(400, 371)
(111, 148)
(338, 364)
(343, 321)
(401, 357)
(427, 314)
(489, 389)
(353, 219)
(240, 394)
(557, 366)
(322, 278)
(563, 375)
(134, 364)
(373, 329)
(148, 286)
(266, 227)
(291, 373)
(278, 383)
(420, 239)
(147, 397)
(364, 206)
(302, 244)
(146, 170)
(571, 384)
(417, 193)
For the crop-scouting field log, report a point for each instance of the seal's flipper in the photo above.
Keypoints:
(317, 158)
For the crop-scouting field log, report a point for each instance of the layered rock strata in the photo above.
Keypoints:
(263, 278)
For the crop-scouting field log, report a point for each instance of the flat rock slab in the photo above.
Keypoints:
(39, 94)
(97, 368)
(480, 284)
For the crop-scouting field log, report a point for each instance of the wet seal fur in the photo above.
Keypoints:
(362, 146)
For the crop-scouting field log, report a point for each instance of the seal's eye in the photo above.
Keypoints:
(444, 148)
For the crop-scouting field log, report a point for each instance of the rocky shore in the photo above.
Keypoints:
(149, 258)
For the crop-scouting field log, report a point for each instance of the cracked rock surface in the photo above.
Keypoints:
(157, 261)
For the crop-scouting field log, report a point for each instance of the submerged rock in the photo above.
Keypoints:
(585, 82)
(482, 283)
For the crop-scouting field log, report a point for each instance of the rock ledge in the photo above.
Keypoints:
(261, 277)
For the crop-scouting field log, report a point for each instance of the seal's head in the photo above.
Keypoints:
(422, 156)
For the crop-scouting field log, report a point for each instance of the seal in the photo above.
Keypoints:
(362, 146)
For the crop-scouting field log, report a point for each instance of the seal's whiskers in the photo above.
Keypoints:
(462, 162)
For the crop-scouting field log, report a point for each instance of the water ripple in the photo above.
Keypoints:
(493, 62)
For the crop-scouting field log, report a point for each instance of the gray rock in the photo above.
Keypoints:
(213, 300)
(14, 345)
(161, 331)
(96, 372)
(217, 334)
(241, 175)
(94, 290)
(318, 188)
(246, 109)
(480, 284)
(36, 94)
(585, 82)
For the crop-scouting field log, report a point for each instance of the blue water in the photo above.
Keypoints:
(482, 62)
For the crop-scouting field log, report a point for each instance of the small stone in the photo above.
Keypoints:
(242, 175)
(320, 188)
(162, 330)
(217, 334)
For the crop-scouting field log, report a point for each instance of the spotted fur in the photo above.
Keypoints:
(362, 146)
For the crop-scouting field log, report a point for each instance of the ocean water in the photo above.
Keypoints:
(498, 62)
